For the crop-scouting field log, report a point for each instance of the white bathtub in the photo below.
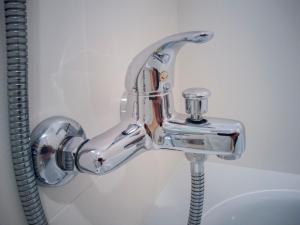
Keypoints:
(233, 196)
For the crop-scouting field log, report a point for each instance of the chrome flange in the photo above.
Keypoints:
(54, 143)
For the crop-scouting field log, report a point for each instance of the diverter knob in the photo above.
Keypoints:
(196, 102)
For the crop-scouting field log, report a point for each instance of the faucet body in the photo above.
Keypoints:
(150, 121)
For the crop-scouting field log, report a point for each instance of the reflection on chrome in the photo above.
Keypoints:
(148, 121)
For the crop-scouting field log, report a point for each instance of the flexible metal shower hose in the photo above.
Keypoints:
(197, 194)
(16, 43)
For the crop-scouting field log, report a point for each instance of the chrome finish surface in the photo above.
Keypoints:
(151, 72)
(148, 120)
(54, 143)
(196, 102)
(222, 137)
(113, 148)
(197, 187)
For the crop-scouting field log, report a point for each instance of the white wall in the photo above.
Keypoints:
(252, 67)
(79, 51)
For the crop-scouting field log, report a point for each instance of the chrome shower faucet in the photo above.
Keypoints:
(148, 122)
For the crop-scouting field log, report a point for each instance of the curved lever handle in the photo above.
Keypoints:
(164, 52)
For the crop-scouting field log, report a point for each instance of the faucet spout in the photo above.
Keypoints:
(215, 136)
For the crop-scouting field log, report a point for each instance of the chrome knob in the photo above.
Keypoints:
(196, 102)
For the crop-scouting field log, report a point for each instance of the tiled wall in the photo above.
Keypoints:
(79, 51)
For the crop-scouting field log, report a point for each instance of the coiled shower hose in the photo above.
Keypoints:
(16, 47)
(197, 192)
